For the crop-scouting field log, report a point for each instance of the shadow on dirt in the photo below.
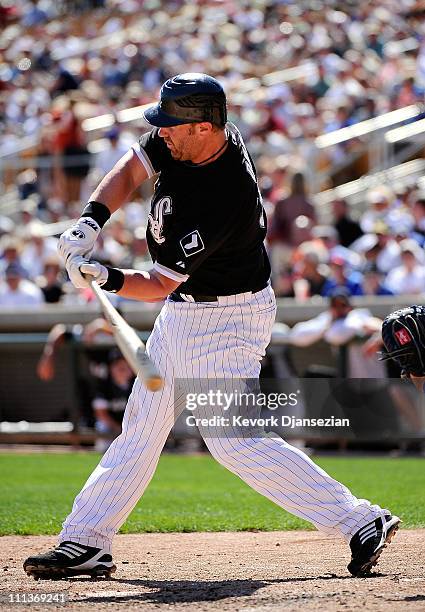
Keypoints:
(181, 591)
(188, 591)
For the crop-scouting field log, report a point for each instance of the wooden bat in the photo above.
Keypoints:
(129, 342)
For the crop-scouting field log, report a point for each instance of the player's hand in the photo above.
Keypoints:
(81, 272)
(372, 346)
(79, 239)
(96, 270)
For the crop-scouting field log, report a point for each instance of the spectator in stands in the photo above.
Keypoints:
(73, 155)
(322, 83)
(51, 281)
(409, 277)
(10, 252)
(107, 158)
(114, 73)
(7, 227)
(379, 247)
(27, 184)
(348, 230)
(342, 278)
(326, 239)
(313, 272)
(378, 206)
(389, 255)
(342, 117)
(64, 83)
(374, 42)
(139, 254)
(283, 283)
(290, 222)
(408, 94)
(374, 281)
(418, 212)
(277, 170)
(16, 291)
(28, 220)
(111, 398)
(38, 249)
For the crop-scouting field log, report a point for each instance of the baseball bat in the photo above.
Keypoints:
(129, 342)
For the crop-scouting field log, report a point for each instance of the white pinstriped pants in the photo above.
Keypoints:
(224, 340)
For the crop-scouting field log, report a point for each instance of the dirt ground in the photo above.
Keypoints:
(212, 572)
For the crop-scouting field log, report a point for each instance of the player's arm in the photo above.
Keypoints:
(147, 286)
(46, 363)
(143, 161)
(306, 333)
(358, 322)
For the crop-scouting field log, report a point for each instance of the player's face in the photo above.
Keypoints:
(182, 141)
(120, 371)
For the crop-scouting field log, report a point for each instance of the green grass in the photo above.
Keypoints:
(193, 493)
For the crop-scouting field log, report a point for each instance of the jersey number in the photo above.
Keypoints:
(156, 218)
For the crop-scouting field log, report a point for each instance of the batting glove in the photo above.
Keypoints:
(79, 239)
(77, 267)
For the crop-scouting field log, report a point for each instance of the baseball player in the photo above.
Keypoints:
(403, 334)
(206, 231)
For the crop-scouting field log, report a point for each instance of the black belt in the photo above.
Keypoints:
(178, 297)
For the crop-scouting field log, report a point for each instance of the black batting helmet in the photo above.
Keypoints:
(189, 98)
(403, 333)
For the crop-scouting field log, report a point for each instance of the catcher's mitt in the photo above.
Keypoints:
(403, 333)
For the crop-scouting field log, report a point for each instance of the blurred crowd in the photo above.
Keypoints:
(67, 61)
(354, 60)
(381, 253)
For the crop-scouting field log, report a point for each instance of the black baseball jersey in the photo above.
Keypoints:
(207, 225)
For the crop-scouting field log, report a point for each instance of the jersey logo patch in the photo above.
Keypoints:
(156, 218)
(403, 336)
(192, 243)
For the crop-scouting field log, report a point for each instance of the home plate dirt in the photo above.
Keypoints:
(229, 571)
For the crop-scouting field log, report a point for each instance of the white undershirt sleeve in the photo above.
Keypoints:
(144, 159)
(179, 278)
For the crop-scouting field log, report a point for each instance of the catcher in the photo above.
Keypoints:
(403, 334)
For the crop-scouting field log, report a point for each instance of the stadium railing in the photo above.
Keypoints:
(355, 191)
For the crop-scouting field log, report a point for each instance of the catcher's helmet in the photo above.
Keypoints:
(403, 333)
(189, 98)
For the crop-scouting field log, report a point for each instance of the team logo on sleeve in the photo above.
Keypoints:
(192, 243)
(156, 218)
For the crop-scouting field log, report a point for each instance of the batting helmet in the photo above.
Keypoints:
(403, 333)
(189, 98)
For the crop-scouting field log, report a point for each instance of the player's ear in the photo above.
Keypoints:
(205, 128)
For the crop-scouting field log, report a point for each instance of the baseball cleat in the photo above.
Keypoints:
(369, 542)
(70, 559)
